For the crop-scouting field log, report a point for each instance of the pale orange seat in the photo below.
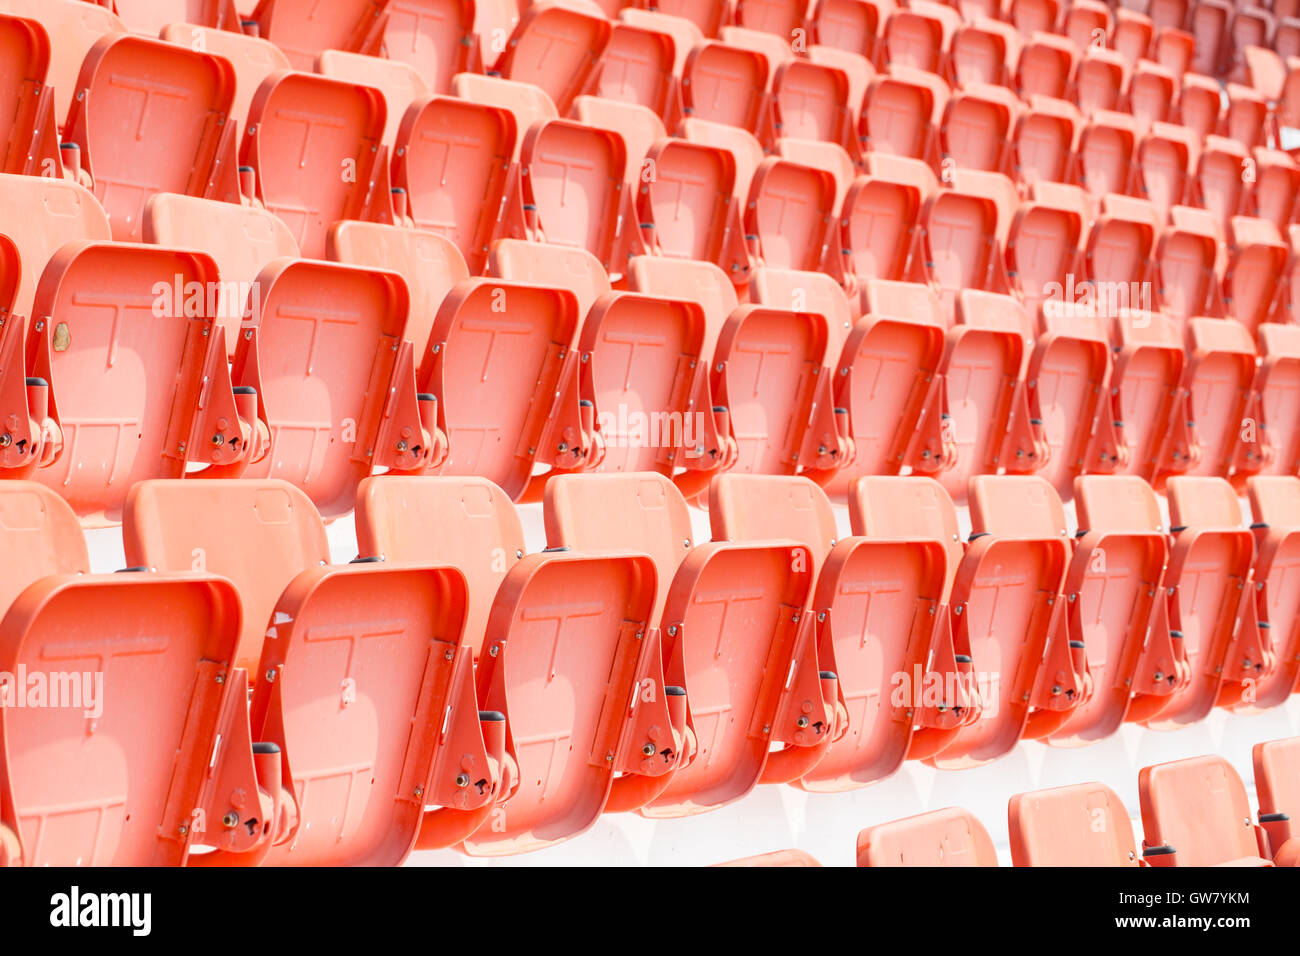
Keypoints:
(1257, 259)
(745, 149)
(495, 348)
(901, 113)
(779, 17)
(878, 613)
(961, 233)
(455, 161)
(1246, 119)
(400, 83)
(725, 600)
(430, 264)
(975, 132)
(242, 240)
(147, 17)
(556, 45)
(29, 134)
(1046, 65)
(558, 637)
(1044, 244)
(1208, 22)
(879, 216)
(1166, 156)
(811, 101)
(73, 28)
(727, 84)
(302, 29)
(950, 837)
(852, 25)
(1147, 367)
(356, 706)
(1132, 34)
(1080, 825)
(315, 162)
(639, 127)
(1199, 104)
(178, 747)
(1275, 505)
(1150, 95)
(529, 104)
(1195, 813)
(790, 215)
(179, 143)
(1106, 150)
(1277, 183)
(1277, 788)
(983, 51)
(1209, 569)
(1274, 449)
(1173, 49)
(917, 35)
(1087, 21)
(639, 65)
(1187, 270)
(1114, 587)
(1170, 14)
(434, 36)
(41, 215)
(1044, 140)
(1100, 80)
(685, 32)
(335, 380)
(253, 58)
(707, 15)
(543, 263)
(1217, 381)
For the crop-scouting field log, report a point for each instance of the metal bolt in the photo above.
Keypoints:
(648, 750)
(462, 780)
(802, 721)
(270, 675)
(418, 791)
(230, 820)
(494, 650)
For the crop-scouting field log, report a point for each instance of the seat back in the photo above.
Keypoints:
(1080, 825)
(950, 837)
(303, 30)
(44, 538)
(1254, 271)
(726, 84)
(400, 82)
(242, 240)
(454, 161)
(176, 102)
(494, 362)
(1147, 369)
(693, 280)
(541, 263)
(1197, 806)
(762, 507)
(1275, 505)
(434, 36)
(313, 143)
(790, 211)
(1043, 140)
(688, 201)
(259, 534)
(1219, 375)
(880, 212)
(1277, 776)
(253, 58)
(1166, 155)
(900, 113)
(556, 46)
(27, 121)
(637, 66)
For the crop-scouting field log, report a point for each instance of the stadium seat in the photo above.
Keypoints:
(1045, 66)
(879, 215)
(727, 84)
(1275, 506)
(1106, 150)
(29, 134)
(1209, 569)
(40, 215)
(183, 749)
(1087, 23)
(1272, 447)
(707, 15)
(355, 702)
(1208, 24)
(1217, 382)
(1146, 402)
(1195, 813)
(1277, 183)
(179, 142)
(558, 639)
(983, 51)
(1166, 155)
(240, 239)
(852, 25)
(1132, 35)
(335, 380)
(253, 58)
(1257, 259)
(147, 17)
(542, 263)
(1277, 770)
(400, 83)
(725, 599)
(1044, 140)
(1100, 80)
(1114, 585)
(1199, 105)
(1187, 271)
(917, 36)
(1150, 95)
(975, 132)
(744, 148)
(497, 354)
(556, 45)
(434, 36)
(639, 65)
(1173, 50)
(950, 837)
(640, 128)
(304, 28)
(901, 113)
(1084, 824)
(858, 604)
(321, 161)
(790, 215)
(811, 101)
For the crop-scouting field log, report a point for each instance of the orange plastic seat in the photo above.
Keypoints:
(1166, 155)
(434, 36)
(1205, 654)
(879, 214)
(1168, 13)
(1257, 259)
(179, 142)
(400, 83)
(856, 68)
(983, 51)
(1087, 22)
(355, 704)
(950, 837)
(1122, 241)
(775, 858)
(1275, 505)
(1150, 95)
(640, 128)
(727, 84)
(1217, 381)
(497, 355)
(454, 159)
(961, 232)
(253, 58)
(1044, 243)
(1277, 770)
(857, 604)
(560, 642)
(853, 25)
(1195, 813)
(430, 264)
(828, 157)
(1199, 104)
(1113, 588)
(693, 280)
(1100, 80)
(29, 136)
(1187, 272)
(528, 103)
(1208, 22)
(790, 215)
(1132, 35)
(1044, 140)
(574, 185)
(730, 716)
(779, 17)
(1005, 600)
(707, 15)
(744, 148)
(1147, 368)
(817, 291)
(99, 637)
(1279, 415)
(917, 36)
(639, 65)
(1045, 66)
(901, 113)
(556, 45)
(1080, 825)
(975, 132)
(147, 17)
(1277, 183)
(1107, 146)
(811, 101)
(315, 144)
(303, 28)
(41, 215)
(334, 380)
(72, 29)
(1247, 117)
(541, 263)
(242, 240)
(135, 377)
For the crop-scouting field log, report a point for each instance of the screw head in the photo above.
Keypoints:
(230, 820)
(648, 750)
(462, 780)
